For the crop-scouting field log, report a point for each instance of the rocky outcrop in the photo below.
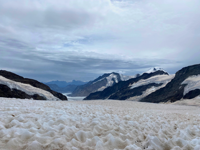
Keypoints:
(99, 84)
(34, 83)
(192, 94)
(174, 90)
(122, 91)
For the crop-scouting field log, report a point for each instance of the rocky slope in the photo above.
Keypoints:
(99, 84)
(123, 90)
(5, 90)
(185, 85)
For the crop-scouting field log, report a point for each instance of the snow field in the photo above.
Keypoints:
(192, 102)
(100, 125)
(193, 82)
(28, 89)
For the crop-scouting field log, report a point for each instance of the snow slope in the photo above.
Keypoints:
(110, 81)
(193, 82)
(155, 79)
(28, 89)
(125, 78)
(100, 125)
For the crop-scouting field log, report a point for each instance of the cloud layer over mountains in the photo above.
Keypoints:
(76, 39)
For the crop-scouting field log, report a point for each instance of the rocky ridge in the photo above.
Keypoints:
(14, 77)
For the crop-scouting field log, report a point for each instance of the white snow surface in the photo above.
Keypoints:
(193, 82)
(155, 79)
(192, 102)
(125, 78)
(28, 89)
(97, 125)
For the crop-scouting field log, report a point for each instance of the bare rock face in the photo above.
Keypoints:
(122, 91)
(174, 90)
(34, 83)
(192, 94)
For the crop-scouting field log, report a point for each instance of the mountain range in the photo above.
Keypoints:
(99, 84)
(64, 83)
(155, 86)
(125, 89)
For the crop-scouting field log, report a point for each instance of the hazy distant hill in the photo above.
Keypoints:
(66, 89)
(63, 86)
(64, 83)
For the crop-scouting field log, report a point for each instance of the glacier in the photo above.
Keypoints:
(100, 125)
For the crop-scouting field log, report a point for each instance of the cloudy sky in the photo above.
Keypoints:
(82, 39)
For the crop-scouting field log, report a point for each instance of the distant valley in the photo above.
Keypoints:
(63, 86)
(100, 83)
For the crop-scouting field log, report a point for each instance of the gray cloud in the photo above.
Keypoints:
(66, 40)
(68, 65)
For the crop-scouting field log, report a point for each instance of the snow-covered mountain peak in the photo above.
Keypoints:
(112, 76)
(152, 70)
(100, 83)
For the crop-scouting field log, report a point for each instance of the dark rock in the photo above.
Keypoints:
(174, 90)
(34, 83)
(192, 94)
